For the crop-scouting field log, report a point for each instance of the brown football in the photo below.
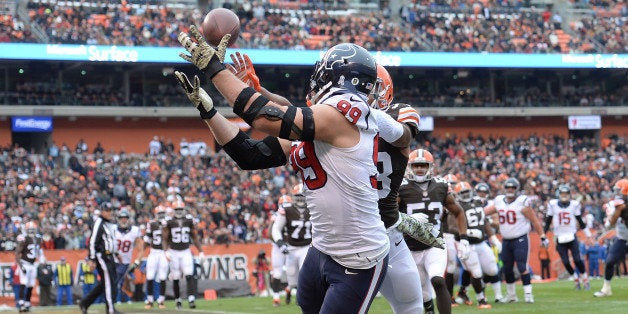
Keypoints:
(219, 22)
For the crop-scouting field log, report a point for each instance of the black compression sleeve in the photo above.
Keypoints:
(251, 154)
(548, 222)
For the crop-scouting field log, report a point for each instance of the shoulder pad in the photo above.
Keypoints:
(439, 180)
(405, 181)
(189, 216)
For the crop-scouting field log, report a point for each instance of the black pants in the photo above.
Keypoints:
(45, 296)
(545, 268)
(106, 286)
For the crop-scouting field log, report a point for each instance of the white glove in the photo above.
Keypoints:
(283, 247)
(496, 243)
(463, 249)
(136, 263)
(545, 242)
(197, 95)
(202, 55)
(420, 231)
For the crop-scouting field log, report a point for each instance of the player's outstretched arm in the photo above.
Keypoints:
(242, 67)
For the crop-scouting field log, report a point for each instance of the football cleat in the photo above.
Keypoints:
(288, 295)
(148, 305)
(453, 302)
(82, 308)
(500, 299)
(587, 286)
(192, 304)
(528, 298)
(462, 297)
(512, 299)
(577, 286)
(162, 305)
(276, 302)
(482, 304)
(179, 305)
(602, 293)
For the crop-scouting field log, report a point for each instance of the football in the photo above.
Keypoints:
(219, 22)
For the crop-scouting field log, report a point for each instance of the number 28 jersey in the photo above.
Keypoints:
(425, 205)
(180, 230)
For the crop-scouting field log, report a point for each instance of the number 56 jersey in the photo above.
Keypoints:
(180, 230)
(424, 202)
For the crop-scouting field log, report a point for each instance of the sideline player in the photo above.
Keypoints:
(516, 218)
(618, 216)
(27, 251)
(178, 233)
(294, 218)
(563, 213)
(426, 198)
(127, 239)
(344, 267)
(156, 262)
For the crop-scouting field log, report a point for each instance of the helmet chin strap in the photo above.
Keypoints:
(318, 95)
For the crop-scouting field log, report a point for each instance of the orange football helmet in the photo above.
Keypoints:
(299, 197)
(31, 228)
(160, 212)
(383, 91)
(179, 208)
(285, 201)
(417, 157)
(463, 190)
(621, 187)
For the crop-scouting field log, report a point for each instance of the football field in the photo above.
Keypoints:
(550, 298)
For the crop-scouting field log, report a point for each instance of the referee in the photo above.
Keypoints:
(101, 256)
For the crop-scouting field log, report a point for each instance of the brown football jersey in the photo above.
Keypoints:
(153, 235)
(29, 247)
(180, 230)
(298, 226)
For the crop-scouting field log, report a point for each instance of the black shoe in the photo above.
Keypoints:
(117, 312)
(288, 295)
(83, 308)
(179, 305)
(192, 304)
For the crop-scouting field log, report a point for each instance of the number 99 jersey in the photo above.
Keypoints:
(425, 205)
(180, 230)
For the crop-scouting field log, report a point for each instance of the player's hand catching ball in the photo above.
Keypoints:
(197, 95)
(243, 68)
(202, 55)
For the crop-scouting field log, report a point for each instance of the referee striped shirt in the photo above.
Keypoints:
(103, 238)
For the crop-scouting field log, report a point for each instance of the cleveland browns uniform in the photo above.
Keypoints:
(156, 262)
(27, 251)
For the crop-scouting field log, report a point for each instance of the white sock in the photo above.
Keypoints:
(497, 287)
(606, 286)
(480, 295)
(527, 289)
(510, 289)
(150, 299)
(275, 295)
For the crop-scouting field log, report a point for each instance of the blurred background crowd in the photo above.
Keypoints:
(62, 189)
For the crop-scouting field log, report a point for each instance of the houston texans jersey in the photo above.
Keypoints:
(512, 222)
(29, 246)
(298, 226)
(563, 216)
(125, 241)
(153, 235)
(476, 220)
(423, 204)
(180, 230)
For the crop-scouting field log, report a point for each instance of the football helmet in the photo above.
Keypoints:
(421, 156)
(106, 206)
(452, 181)
(482, 190)
(621, 187)
(383, 91)
(179, 208)
(160, 212)
(285, 201)
(509, 184)
(564, 193)
(123, 224)
(344, 65)
(463, 191)
(31, 228)
(299, 197)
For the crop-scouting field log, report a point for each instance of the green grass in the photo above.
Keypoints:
(550, 298)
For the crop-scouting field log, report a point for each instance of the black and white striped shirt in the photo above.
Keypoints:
(103, 239)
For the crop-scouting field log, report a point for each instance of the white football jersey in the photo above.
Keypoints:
(564, 218)
(512, 222)
(125, 243)
(341, 190)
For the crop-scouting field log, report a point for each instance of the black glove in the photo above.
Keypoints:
(283, 247)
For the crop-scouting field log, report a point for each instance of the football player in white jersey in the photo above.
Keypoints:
(617, 213)
(128, 237)
(336, 158)
(279, 253)
(516, 219)
(156, 262)
(563, 213)
(426, 198)
(28, 250)
(293, 229)
(450, 231)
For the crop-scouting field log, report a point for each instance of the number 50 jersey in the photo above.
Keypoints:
(180, 230)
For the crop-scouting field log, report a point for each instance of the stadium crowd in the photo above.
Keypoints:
(62, 189)
(456, 26)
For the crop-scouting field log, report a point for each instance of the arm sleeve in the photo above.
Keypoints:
(280, 222)
(548, 222)
(389, 129)
(581, 222)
